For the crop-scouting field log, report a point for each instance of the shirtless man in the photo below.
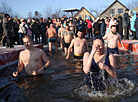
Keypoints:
(51, 33)
(68, 36)
(112, 36)
(71, 25)
(80, 45)
(60, 34)
(31, 58)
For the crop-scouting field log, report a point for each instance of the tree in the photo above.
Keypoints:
(48, 12)
(29, 15)
(97, 11)
(132, 4)
(39, 15)
(4, 8)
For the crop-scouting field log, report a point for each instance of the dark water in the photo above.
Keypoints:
(64, 82)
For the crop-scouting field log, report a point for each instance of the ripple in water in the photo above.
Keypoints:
(118, 89)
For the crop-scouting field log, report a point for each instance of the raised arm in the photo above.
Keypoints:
(105, 36)
(88, 58)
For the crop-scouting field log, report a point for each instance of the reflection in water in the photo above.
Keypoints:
(65, 81)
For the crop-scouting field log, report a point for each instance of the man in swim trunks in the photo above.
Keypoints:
(60, 34)
(80, 46)
(67, 36)
(98, 65)
(112, 37)
(31, 58)
(52, 35)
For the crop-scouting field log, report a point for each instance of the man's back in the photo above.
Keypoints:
(51, 32)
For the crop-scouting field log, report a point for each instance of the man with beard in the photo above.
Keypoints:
(80, 46)
(67, 38)
(112, 36)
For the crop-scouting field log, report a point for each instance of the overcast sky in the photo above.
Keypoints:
(23, 7)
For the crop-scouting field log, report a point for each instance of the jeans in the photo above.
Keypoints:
(36, 36)
(20, 38)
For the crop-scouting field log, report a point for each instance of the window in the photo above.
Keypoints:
(86, 16)
(79, 16)
(120, 11)
(112, 12)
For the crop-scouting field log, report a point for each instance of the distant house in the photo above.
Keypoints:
(136, 9)
(83, 13)
(116, 8)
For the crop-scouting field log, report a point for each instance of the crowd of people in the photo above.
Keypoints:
(70, 35)
(15, 29)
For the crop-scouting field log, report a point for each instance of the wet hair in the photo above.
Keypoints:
(98, 37)
(113, 26)
(67, 25)
(80, 31)
(28, 36)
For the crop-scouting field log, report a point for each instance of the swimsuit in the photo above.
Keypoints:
(67, 45)
(113, 50)
(78, 56)
(97, 78)
(51, 40)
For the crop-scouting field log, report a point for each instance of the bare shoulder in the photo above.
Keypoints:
(39, 50)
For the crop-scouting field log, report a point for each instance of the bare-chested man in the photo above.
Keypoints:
(60, 34)
(52, 35)
(80, 46)
(112, 37)
(31, 58)
(71, 25)
(68, 36)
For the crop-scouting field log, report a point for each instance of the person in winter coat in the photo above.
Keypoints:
(132, 23)
(136, 26)
(119, 26)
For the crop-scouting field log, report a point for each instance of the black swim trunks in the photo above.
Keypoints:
(67, 45)
(113, 51)
(52, 40)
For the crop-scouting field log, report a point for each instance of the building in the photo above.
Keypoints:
(115, 9)
(136, 9)
(83, 13)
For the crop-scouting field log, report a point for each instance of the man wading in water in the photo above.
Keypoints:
(80, 46)
(31, 58)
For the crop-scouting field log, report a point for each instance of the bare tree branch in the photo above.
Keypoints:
(132, 4)
(48, 12)
(97, 11)
(4, 8)
(29, 15)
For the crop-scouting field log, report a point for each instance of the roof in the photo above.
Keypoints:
(70, 10)
(81, 10)
(136, 9)
(112, 5)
